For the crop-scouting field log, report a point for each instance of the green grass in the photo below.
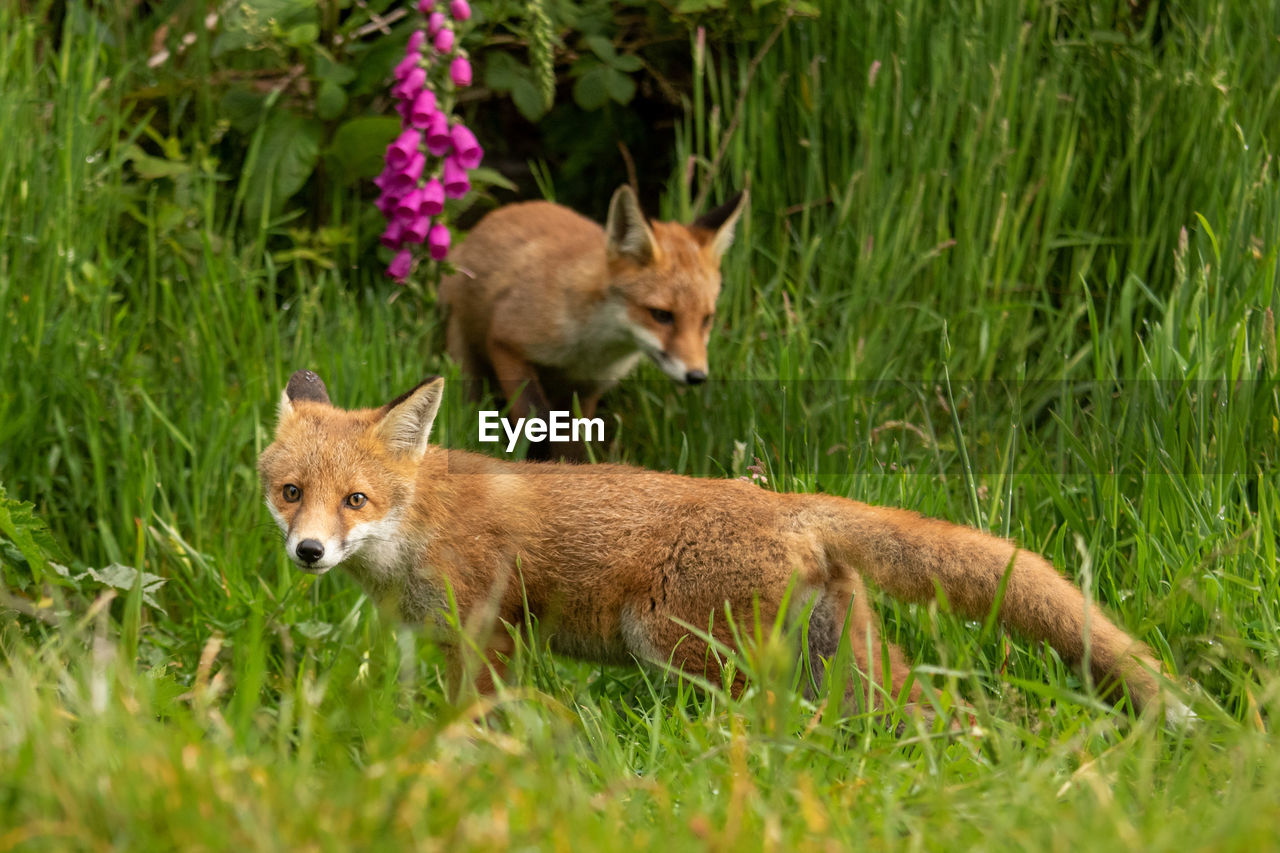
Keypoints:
(999, 213)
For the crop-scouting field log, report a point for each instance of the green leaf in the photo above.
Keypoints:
(243, 108)
(359, 145)
(590, 90)
(331, 100)
(486, 177)
(627, 62)
(288, 154)
(528, 99)
(151, 168)
(302, 35)
(123, 578)
(20, 525)
(502, 71)
(602, 48)
(620, 87)
(325, 68)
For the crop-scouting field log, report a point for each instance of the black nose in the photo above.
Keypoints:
(310, 550)
(695, 377)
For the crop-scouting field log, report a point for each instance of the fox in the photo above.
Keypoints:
(615, 563)
(547, 305)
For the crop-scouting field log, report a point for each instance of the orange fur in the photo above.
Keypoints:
(613, 559)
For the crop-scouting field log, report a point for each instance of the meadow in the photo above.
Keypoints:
(1012, 265)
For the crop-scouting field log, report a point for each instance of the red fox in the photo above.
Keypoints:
(615, 561)
(549, 305)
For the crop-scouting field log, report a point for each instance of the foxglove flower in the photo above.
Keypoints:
(399, 269)
(432, 199)
(460, 71)
(439, 140)
(456, 184)
(438, 242)
(465, 147)
(428, 162)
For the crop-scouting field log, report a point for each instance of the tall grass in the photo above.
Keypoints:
(1005, 264)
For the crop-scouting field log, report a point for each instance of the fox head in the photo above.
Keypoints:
(667, 276)
(339, 482)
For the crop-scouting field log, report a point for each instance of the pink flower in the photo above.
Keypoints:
(456, 184)
(393, 237)
(406, 66)
(402, 151)
(435, 23)
(444, 40)
(432, 198)
(385, 204)
(408, 88)
(415, 231)
(460, 10)
(438, 242)
(465, 147)
(424, 106)
(399, 269)
(460, 71)
(438, 139)
(416, 39)
(406, 179)
(425, 6)
(407, 207)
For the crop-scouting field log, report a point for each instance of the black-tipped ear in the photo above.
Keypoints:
(714, 220)
(721, 222)
(305, 385)
(627, 233)
(406, 421)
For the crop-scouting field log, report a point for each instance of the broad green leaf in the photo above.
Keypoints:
(287, 157)
(486, 177)
(602, 48)
(627, 62)
(20, 525)
(621, 87)
(151, 168)
(528, 99)
(243, 108)
(358, 146)
(501, 71)
(325, 68)
(302, 35)
(590, 90)
(331, 100)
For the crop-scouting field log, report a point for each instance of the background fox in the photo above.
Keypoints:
(614, 560)
(547, 304)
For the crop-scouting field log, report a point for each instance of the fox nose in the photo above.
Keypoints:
(310, 550)
(695, 377)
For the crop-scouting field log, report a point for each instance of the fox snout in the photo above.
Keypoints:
(677, 369)
(309, 551)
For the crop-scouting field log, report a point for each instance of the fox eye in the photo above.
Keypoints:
(355, 500)
(662, 316)
(292, 493)
(706, 321)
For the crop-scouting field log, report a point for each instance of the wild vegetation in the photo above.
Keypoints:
(1014, 265)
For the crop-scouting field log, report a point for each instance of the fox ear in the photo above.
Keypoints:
(627, 233)
(303, 385)
(406, 421)
(721, 222)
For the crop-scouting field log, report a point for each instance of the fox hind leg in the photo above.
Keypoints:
(882, 667)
